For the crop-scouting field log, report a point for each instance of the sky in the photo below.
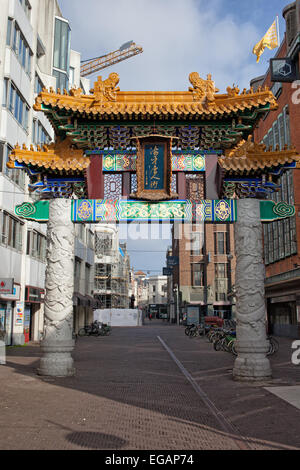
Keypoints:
(178, 37)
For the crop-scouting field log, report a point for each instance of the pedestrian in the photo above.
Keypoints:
(150, 316)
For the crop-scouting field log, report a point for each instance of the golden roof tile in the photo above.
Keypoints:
(58, 156)
(201, 99)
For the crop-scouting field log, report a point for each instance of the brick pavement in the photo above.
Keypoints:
(128, 393)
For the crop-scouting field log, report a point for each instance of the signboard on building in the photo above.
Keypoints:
(192, 315)
(15, 294)
(19, 313)
(6, 286)
(283, 70)
(172, 261)
(167, 271)
(34, 295)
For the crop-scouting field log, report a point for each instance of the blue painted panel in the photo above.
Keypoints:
(154, 160)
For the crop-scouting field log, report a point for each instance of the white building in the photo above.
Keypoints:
(141, 289)
(157, 295)
(34, 53)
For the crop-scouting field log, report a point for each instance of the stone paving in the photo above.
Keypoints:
(129, 394)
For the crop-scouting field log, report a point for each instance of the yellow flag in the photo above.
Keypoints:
(270, 40)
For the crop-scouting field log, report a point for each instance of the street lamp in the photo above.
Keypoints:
(176, 292)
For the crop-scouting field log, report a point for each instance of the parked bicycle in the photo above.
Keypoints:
(226, 342)
(198, 330)
(95, 329)
(189, 329)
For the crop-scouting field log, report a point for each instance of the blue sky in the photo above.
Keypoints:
(178, 37)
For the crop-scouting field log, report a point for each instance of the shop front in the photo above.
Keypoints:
(283, 304)
(34, 299)
(223, 311)
(282, 316)
(7, 305)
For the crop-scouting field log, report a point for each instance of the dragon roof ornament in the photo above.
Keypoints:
(201, 100)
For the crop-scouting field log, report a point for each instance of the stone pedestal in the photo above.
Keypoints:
(252, 346)
(57, 343)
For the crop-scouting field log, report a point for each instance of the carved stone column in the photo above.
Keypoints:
(58, 343)
(252, 346)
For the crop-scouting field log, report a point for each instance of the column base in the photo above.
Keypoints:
(252, 369)
(252, 363)
(57, 360)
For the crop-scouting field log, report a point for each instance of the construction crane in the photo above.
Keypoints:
(127, 50)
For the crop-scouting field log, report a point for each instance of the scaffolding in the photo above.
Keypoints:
(111, 286)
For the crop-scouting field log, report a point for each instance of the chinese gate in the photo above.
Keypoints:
(122, 156)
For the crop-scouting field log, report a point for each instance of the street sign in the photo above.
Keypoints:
(6, 286)
(167, 271)
(283, 70)
(172, 261)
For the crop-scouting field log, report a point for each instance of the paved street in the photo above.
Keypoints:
(146, 388)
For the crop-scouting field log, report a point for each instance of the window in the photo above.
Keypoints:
(27, 7)
(39, 134)
(198, 274)
(16, 40)
(220, 240)
(5, 91)
(280, 237)
(61, 53)
(87, 278)
(36, 245)
(276, 134)
(77, 269)
(90, 239)
(103, 243)
(16, 104)
(9, 31)
(61, 80)
(72, 76)
(221, 282)
(221, 270)
(197, 240)
(287, 125)
(17, 176)
(61, 44)
(80, 232)
(276, 89)
(11, 231)
(38, 85)
(280, 131)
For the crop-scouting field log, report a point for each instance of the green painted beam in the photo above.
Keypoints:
(94, 211)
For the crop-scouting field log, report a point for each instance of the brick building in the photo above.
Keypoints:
(282, 238)
(205, 275)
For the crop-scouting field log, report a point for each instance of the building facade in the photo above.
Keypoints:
(34, 53)
(282, 238)
(157, 296)
(141, 289)
(204, 277)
